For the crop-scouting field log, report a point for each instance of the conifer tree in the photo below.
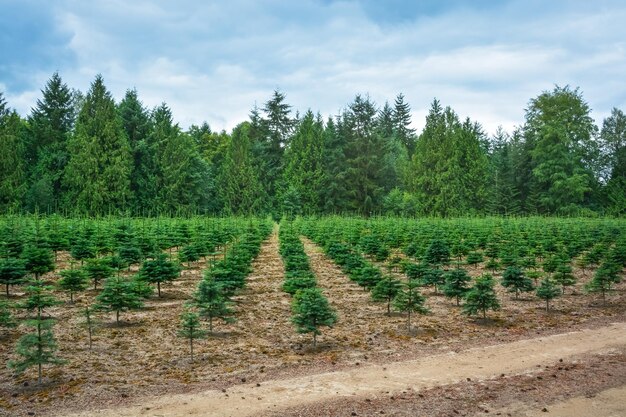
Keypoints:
(12, 272)
(97, 270)
(159, 270)
(335, 166)
(603, 279)
(456, 284)
(212, 303)
(401, 124)
(386, 290)
(547, 291)
(118, 295)
(310, 311)
(410, 300)
(6, 318)
(12, 159)
(481, 297)
(514, 280)
(72, 281)
(563, 275)
(51, 124)
(190, 328)
(97, 175)
(38, 259)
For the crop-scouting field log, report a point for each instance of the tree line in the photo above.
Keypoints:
(81, 153)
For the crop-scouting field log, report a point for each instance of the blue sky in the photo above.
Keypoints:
(213, 60)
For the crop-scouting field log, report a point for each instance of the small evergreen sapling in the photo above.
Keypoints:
(98, 269)
(12, 272)
(38, 260)
(563, 275)
(6, 318)
(514, 280)
(72, 281)
(190, 328)
(90, 323)
(159, 270)
(386, 290)
(547, 291)
(311, 311)
(603, 279)
(118, 295)
(212, 303)
(410, 300)
(456, 284)
(481, 297)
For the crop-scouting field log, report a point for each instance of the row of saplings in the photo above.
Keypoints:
(119, 294)
(455, 283)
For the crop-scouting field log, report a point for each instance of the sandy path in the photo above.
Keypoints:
(479, 363)
(609, 403)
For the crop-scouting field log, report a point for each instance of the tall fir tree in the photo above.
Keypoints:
(97, 175)
(613, 145)
(334, 166)
(401, 124)
(51, 124)
(12, 159)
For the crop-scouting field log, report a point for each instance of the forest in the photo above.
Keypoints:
(84, 154)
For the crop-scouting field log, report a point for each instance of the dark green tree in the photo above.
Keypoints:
(212, 303)
(481, 297)
(604, 278)
(98, 269)
(514, 280)
(386, 290)
(38, 259)
(6, 318)
(613, 147)
(118, 295)
(547, 291)
(97, 175)
(12, 272)
(456, 284)
(409, 300)
(12, 159)
(310, 311)
(190, 328)
(159, 270)
(402, 130)
(72, 281)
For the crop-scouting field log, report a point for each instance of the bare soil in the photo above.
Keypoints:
(143, 358)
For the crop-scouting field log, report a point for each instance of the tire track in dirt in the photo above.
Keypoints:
(378, 380)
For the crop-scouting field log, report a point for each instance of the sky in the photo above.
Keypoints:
(214, 60)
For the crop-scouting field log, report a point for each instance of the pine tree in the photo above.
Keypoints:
(72, 281)
(36, 349)
(90, 324)
(401, 124)
(603, 279)
(39, 297)
(563, 275)
(6, 318)
(481, 297)
(240, 187)
(613, 143)
(410, 300)
(38, 259)
(310, 311)
(514, 280)
(12, 272)
(97, 175)
(12, 159)
(212, 303)
(190, 328)
(51, 123)
(456, 284)
(335, 166)
(304, 163)
(159, 270)
(547, 291)
(98, 269)
(386, 290)
(118, 295)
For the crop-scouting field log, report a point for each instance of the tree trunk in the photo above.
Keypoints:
(191, 346)
(39, 347)
(159, 288)
(117, 316)
(389, 306)
(7, 290)
(211, 324)
(314, 340)
(547, 305)
(71, 297)
(409, 321)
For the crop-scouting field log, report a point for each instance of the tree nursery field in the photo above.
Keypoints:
(310, 316)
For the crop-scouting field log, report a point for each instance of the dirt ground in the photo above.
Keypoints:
(143, 357)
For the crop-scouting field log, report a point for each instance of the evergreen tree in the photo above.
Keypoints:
(560, 134)
(438, 253)
(51, 124)
(503, 196)
(456, 284)
(547, 291)
(6, 318)
(603, 279)
(514, 280)
(310, 311)
(98, 269)
(12, 159)
(386, 290)
(36, 349)
(335, 166)
(38, 259)
(304, 163)
(118, 295)
(97, 175)
(159, 270)
(613, 146)
(395, 152)
(240, 187)
(190, 328)
(12, 272)
(73, 280)
(563, 275)
(401, 117)
(39, 297)
(90, 324)
(212, 303)
(481, 297)
(410, 300)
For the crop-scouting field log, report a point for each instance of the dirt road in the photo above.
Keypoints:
(479, 363)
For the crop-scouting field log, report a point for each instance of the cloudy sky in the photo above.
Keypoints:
(213, 60)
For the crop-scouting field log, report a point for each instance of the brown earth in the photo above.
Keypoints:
(143, 358)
